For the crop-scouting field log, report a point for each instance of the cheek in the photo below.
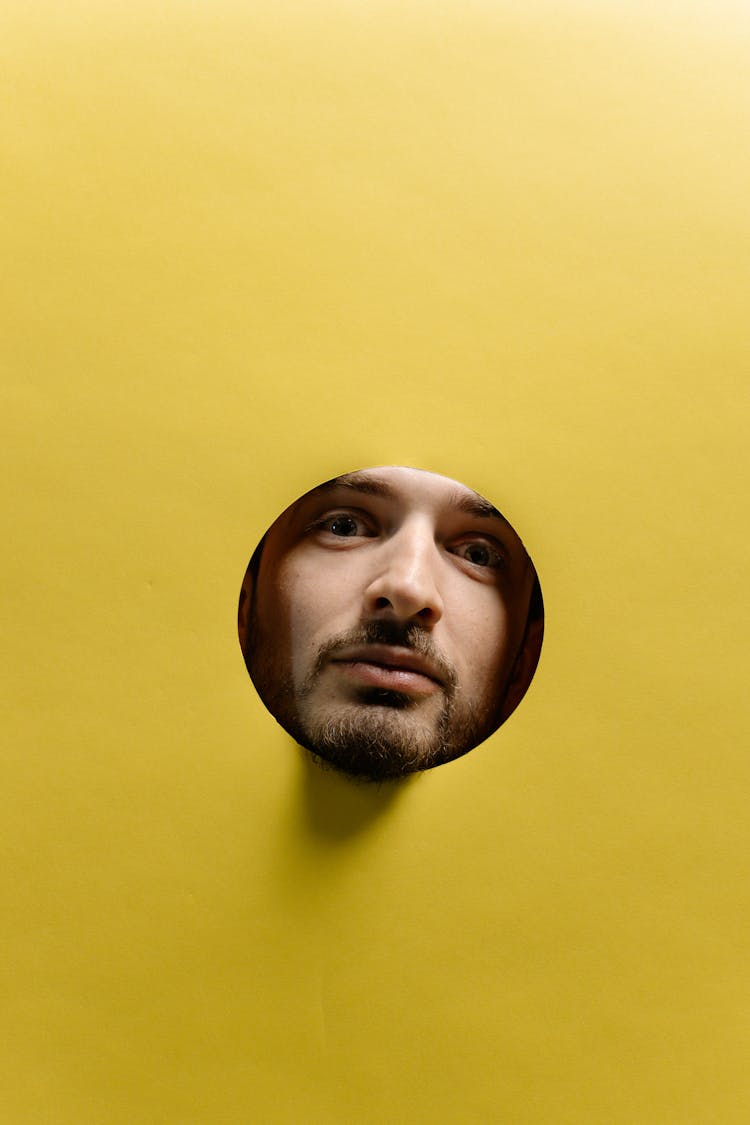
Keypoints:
(314, 610)
(486, 649)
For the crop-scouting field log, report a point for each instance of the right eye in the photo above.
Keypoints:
(344, 525)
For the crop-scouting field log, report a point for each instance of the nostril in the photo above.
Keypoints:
(382, 603)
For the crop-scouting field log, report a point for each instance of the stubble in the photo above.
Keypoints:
(376, 735)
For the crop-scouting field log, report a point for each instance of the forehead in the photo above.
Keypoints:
(411, 489)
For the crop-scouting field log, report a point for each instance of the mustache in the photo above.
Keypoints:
(399, 633)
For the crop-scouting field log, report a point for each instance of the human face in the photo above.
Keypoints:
(388, 619)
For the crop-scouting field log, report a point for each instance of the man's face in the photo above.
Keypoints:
(386, 627)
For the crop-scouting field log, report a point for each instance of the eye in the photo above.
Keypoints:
(480, 553)
(343, 525)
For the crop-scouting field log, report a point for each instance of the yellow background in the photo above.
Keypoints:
(249, 246)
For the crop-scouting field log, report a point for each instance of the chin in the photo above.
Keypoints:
(384, 740)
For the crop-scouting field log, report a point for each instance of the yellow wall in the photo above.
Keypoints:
(253, 245)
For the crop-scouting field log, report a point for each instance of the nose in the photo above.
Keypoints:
(405, 582)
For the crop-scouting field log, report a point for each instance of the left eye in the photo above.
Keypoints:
(479, 554)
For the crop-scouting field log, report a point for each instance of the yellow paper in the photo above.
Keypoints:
(250, 247)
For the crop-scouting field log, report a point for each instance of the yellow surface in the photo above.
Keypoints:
(249, 246)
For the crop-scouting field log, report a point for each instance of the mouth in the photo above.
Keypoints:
(390, 668)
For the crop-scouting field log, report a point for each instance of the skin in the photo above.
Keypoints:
(387, 627)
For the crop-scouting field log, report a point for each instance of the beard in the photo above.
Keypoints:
(378, 740)
(375, 735)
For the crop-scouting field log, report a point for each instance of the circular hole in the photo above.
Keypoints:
(391, 620)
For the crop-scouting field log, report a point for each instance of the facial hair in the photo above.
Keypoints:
(378, 735)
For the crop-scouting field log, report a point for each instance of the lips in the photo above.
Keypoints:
(390, 668)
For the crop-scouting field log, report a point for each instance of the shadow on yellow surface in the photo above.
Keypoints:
(332, 808)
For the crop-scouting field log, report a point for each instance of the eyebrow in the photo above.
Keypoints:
(469, 503)
(472, 504)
